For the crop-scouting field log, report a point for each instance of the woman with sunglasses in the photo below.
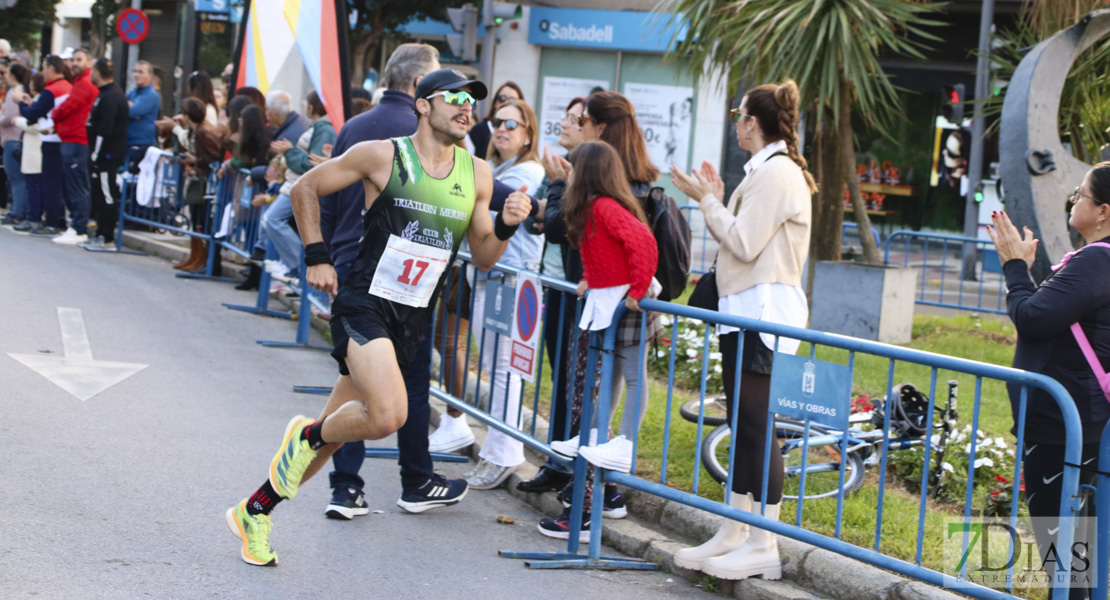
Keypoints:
(763, 231)
(608, 117)
(477, 141)
(1077, 293)
(512, 154)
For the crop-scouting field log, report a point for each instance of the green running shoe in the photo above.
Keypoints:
(254, 530)
(289, 464)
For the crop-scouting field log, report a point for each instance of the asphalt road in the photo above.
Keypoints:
(123, 495)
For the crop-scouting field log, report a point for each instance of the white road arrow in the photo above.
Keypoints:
(77, 373)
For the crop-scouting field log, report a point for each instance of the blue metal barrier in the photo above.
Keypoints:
(261, 304)
(704, 250)
(219, 192)
(872, 555)
(846, 225)
(1069, 502)
(310, 297)
(935, 267)
(162, 209)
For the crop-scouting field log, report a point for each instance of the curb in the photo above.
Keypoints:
(658, 528)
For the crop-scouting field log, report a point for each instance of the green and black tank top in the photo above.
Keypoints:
(416, 220)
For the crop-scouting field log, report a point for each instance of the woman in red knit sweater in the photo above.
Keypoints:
(607, 225)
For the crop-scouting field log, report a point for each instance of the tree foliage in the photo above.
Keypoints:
(22, 23)
(831, 49)
(374, 19)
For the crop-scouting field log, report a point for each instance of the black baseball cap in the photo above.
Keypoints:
(449, 79)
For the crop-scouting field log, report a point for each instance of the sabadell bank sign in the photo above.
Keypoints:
(607, 29)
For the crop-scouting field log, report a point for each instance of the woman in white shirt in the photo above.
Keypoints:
(764, 235)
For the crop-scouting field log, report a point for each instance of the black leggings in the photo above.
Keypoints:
(751, 425)
(1046, 463)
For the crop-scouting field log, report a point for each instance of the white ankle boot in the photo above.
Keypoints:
(729, 537)
(758, 557)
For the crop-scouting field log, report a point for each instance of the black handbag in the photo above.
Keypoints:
(705, 294)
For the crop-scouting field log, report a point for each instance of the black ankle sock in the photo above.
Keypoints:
(314, 434)
(264, 500)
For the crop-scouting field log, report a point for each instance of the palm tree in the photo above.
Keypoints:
(830, 48)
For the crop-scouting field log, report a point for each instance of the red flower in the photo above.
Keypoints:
(1002, 479)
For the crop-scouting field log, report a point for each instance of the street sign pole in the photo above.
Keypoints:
(133, 50)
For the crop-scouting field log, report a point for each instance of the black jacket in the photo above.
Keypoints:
(1043, 316)
(107, 126)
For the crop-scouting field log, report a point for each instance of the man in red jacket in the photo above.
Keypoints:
(70, 122)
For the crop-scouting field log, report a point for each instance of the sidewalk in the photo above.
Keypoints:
(658, 528)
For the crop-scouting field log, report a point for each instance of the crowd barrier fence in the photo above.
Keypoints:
(309, 298)
(934, 254)
(897, 359)
(162, 207)
(704, 247)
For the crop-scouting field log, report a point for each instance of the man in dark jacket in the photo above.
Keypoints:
(69, 120)
(107, 134)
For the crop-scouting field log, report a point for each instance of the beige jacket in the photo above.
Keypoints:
(768, 239)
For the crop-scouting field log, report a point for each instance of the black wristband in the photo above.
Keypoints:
(503, 231)
(317, 254)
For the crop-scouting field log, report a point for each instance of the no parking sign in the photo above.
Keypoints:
(526, 325)
(132, 26)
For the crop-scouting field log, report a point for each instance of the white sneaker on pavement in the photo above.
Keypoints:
(453, 434)
(615, 455)
(569, 448)
(70, 237)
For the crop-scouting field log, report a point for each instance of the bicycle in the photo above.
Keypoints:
(821, 450)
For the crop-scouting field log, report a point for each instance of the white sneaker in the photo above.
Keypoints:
(615, 455)
(70, 238)
(569, 448)
(453, 434)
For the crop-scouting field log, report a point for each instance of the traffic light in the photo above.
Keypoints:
(464, 44)
(952, 100)
(501, 12)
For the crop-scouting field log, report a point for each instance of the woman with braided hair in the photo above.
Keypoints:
(763, 231)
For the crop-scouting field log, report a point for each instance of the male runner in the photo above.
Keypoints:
(426, 193)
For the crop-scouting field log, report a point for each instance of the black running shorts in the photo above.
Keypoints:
(373, 318)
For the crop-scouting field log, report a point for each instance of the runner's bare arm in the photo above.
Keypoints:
(485, 247)
(370, 162)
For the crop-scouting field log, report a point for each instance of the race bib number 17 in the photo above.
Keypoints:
(408, 271)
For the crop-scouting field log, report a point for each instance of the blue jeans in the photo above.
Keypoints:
(44, 190)
(412, 438)
(12, 150)
(78, 196)
(277, 228)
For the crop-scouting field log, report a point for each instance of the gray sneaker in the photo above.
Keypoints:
(488, 476)
(93, 242)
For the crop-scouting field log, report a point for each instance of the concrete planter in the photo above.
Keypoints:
(872, 302)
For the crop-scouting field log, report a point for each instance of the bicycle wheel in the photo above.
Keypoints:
(822, 463)
(715, 411)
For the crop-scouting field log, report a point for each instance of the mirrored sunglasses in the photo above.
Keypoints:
(457, 98)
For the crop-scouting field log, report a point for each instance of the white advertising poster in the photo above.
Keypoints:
(526, 326)
(665, 114)
(557, 93)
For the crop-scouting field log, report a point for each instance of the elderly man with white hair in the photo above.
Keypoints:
(5, 48)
